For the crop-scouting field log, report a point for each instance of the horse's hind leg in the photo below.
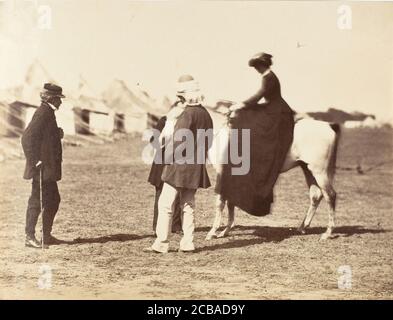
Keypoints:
(220, 205)
(231, 220)
(315, 198)
(329, 194)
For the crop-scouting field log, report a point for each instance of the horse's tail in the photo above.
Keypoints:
(333, 156)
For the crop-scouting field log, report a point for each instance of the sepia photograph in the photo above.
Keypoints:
(196, 150)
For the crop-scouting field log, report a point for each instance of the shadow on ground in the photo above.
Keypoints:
(263, 235)
(121, 237)
(267, 234)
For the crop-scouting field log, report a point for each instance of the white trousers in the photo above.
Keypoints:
(164, 222)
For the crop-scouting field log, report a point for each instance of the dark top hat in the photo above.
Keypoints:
(53, 90)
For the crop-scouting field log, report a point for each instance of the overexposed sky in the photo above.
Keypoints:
(153, 42)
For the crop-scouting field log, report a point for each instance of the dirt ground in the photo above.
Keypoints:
(106, 218)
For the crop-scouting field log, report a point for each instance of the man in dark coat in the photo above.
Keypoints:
(187, 171)
(41, 142)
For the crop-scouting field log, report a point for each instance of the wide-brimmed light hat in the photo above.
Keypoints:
(188, 88)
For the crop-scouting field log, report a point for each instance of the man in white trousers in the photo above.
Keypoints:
(185, 169)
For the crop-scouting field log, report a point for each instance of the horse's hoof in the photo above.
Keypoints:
(210, 237)
(325, 236)
(222, 235)
(301, 230)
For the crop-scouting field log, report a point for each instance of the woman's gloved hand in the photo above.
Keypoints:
(233, 109)
(236, 106)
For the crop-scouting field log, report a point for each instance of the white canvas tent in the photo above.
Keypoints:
(23, 101)
(135, 112)
(369, 122)
(6, 121)
(14, 118)
(35, 79)
(92, 116)
(65, 117)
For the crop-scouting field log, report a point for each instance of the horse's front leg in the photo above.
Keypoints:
(220, 204)
(231, 220)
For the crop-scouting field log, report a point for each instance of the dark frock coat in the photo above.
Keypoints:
(191, 175)
(41, 141)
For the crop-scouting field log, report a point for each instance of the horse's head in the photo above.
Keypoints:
(222, 106)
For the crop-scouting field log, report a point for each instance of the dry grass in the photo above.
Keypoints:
(106, 215)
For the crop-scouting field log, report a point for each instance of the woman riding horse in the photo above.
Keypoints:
(271, 126)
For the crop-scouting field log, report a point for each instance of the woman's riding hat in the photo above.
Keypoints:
(261, 58)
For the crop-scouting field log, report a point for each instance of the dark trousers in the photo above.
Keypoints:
(50, 202)
(176, 220)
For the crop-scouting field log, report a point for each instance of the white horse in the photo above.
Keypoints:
(314, 149)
